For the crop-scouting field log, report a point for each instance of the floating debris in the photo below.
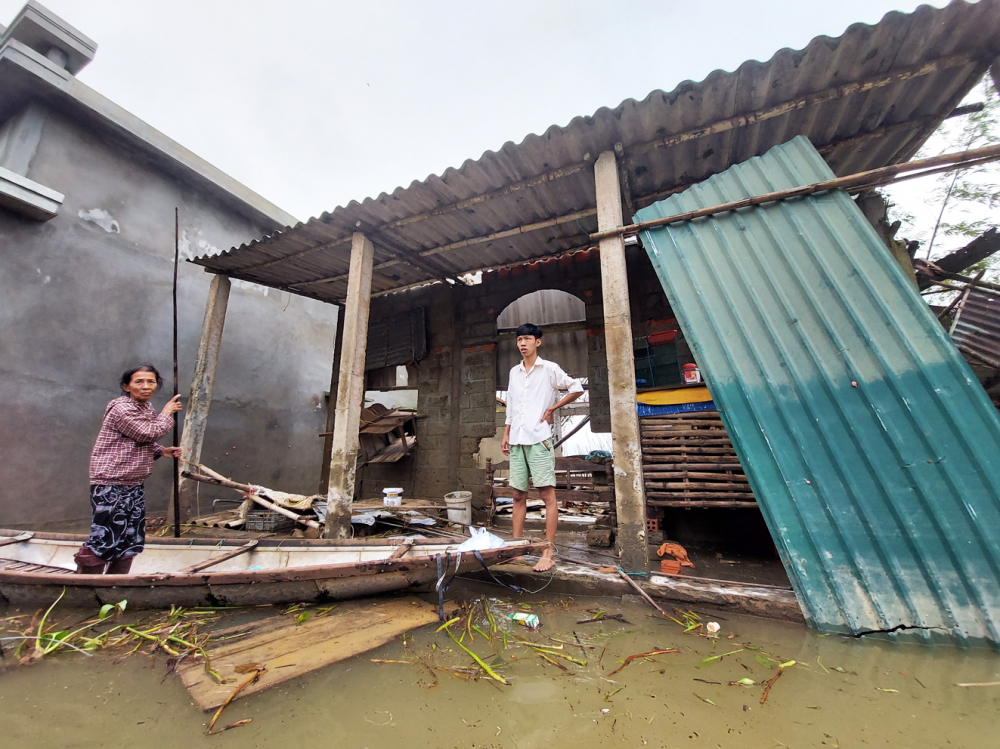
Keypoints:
(770, 683)
(650, 654)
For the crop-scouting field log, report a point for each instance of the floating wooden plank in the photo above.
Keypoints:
(287, 650)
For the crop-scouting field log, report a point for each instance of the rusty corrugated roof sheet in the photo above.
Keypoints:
(976, 328)
(871, 447)
(866, 99)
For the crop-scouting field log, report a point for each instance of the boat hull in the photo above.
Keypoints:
(272, 573)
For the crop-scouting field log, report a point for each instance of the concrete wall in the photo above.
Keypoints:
(87, 294)
(457, 380)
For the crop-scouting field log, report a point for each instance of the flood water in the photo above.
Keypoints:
(841, 692)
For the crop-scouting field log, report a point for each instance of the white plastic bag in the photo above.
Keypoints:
(480, 540)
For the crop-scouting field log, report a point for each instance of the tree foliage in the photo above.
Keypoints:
(968, 198)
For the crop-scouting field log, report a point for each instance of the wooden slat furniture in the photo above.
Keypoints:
(688, 460)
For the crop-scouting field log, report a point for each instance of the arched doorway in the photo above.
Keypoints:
(561, 316)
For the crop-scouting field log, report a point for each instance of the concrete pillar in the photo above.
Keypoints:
(331, 406)
(200, 400)
(629, 493)
(350, 390)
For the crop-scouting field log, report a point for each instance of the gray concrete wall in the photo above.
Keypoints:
(87, 294)
(457, 381)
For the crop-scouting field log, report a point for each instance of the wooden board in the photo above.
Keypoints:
(288, 650)
(394, 451)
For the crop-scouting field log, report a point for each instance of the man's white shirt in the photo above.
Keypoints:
(530, 394)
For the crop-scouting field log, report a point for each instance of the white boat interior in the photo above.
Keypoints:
(159, 558)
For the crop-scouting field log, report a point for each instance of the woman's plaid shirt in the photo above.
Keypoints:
(126, 445)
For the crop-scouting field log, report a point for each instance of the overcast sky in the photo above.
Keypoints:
(315, 104)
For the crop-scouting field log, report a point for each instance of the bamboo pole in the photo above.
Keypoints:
(249, 491)
(872, 176)
(177, 441)
(640, 591)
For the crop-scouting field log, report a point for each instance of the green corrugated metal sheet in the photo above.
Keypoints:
(870, 446)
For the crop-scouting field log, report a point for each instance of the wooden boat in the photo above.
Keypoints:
(36, 567)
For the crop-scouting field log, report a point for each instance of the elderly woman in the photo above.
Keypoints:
(121, 461)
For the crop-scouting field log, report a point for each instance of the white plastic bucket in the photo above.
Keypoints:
(392, 497)
(459, 507)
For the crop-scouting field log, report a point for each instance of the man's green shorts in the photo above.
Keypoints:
(537, 461)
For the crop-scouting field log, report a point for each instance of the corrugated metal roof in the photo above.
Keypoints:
(976, 329)
(871, 448)
(867, 99)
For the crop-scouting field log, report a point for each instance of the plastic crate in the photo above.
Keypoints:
(267, 521)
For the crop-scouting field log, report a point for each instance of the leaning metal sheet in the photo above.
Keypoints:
(870, 446)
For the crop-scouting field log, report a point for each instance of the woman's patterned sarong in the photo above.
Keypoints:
(118, 529)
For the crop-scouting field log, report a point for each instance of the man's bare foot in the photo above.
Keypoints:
(545, 564)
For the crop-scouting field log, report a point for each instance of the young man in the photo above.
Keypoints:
(527, 438)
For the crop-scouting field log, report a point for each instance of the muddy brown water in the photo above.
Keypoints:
(840, 692)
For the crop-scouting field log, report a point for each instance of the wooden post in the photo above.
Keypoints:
(331, 406)
(350, 390)
(629, 494)
(196, 416)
